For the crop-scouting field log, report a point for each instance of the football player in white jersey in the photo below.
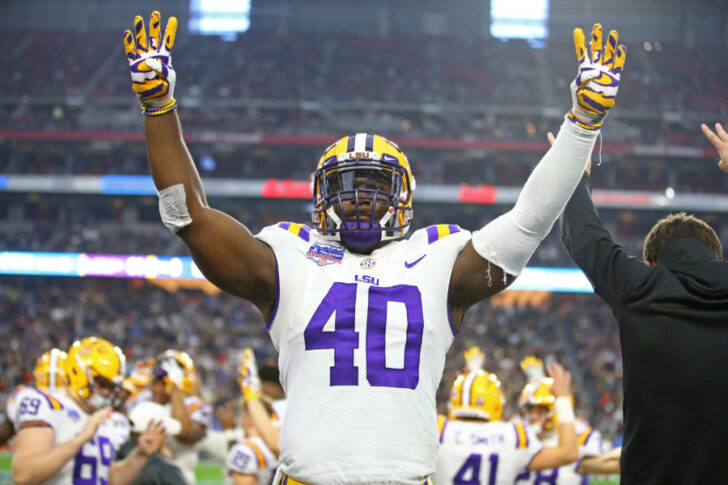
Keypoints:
(264, 402)
(48, 375)
(71, 437)
(251, 461)
(361, 317)
(537, 406)
(476, 447)
(175, 386)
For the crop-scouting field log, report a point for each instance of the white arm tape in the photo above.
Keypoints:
(564, 410)
(510, 240)
(173, 207)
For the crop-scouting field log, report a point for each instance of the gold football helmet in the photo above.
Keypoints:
(93, 363)
(367, 170)
(49, 371)
(477, 395)
(538, 393)
(140, 376)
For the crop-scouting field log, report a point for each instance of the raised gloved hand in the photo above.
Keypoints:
(594, 89)
(150, 64)
(171, 371)
(249, 380)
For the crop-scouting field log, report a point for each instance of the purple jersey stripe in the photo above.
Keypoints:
(278, 297)
(432, 234)
(284, 225)
(442, 433)
(518, 438)
(304, 233)
(453, 228)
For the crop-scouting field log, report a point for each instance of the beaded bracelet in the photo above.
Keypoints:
(160, 110)
(591, 126)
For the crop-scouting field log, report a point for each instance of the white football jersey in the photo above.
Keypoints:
(92, 463)
(13, 403)
(484, 453)
(362, 342)
(590, 444)
(252, 457)
(184, 455)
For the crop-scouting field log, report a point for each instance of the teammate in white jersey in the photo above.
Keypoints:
(264, 401)
(476, 447)
(361, 317)
(48, 375)
(175, 386)
(72, 436)
(537, 405)
(251, 461)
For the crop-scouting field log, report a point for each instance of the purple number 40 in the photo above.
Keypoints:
(344, 339)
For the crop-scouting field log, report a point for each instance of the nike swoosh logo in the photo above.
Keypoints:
(409, 265)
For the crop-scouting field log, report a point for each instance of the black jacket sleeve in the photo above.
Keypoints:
(612, 272)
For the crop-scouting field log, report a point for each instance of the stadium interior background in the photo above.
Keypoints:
(470, 110)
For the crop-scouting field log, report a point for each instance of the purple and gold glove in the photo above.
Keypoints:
(249, 380)
(150, 64)
(595, 87)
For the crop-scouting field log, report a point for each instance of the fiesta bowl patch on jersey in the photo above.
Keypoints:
(323, 254)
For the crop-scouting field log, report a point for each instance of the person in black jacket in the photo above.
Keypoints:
(672, 311)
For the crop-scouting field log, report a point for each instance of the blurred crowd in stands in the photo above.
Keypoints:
(431, 166)
(40, 313)
(330, 67)
(131, 225)
(313, 84)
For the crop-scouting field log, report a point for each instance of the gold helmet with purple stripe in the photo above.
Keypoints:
(362, 191)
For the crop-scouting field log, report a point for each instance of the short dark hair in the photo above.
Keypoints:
(269, 373)
(679, 225)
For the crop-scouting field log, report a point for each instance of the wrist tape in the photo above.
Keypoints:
(564, 410)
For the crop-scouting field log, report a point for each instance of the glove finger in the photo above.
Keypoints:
(170, 32)
(154, 30)
(596, 43)
(129, 47)
(141, 34)
(579, 45)
(619, 60)
(610, 48)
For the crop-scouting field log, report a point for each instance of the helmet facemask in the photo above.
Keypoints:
(114, 397)
(362, 199)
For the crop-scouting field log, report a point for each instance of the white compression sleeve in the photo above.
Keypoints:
(510, 240)
(173, 208)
